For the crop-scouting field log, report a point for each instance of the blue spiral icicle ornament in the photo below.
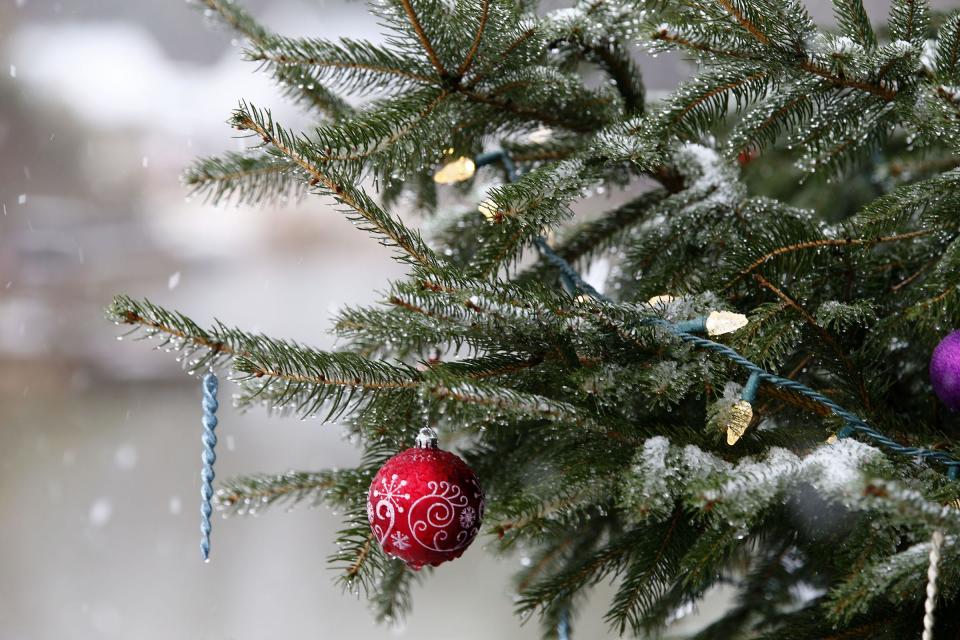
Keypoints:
(563, 626)
(209, 456)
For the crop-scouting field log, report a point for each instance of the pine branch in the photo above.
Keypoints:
(825, 242)
(737, 14)
(478, 38)
(249, 494)
(524, 38)
(655, 564)
(587, 568)
(355, 65)
(948, 49)
(197, 348)
(698, 104)
(826, 337)
(301, 151)
(909, 20)
(295, 85)
(286, 375)
(393, 599)
(422, 36)
(599, 33)
(249, 179)
(854, 22)
(586, 240)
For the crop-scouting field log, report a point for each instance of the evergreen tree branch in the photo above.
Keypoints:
(948, 49)
(393, 597)
(180, 333)
(359, 65)
(619, 65)
(854, 22)
(649, 574)
(882, 92)
(472, 54)
(825, 336)
(249, 493)
(749, 26)
(313, 93)
(422, 36)
(527, 112)
(590, 238)
(825, 242)
(522, 39)
(251, 179)
(298, 150)
(909, 20)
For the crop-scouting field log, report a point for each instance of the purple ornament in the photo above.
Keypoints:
(945, 371)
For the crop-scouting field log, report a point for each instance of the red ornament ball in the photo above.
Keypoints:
(425, 504)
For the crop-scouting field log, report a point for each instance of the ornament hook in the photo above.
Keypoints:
(427, 438)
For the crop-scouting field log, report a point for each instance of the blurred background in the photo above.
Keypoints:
(102, 104)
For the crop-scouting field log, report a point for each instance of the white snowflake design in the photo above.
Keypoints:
(467, 517)
(391, 492)
(369, 511)
(400, 540)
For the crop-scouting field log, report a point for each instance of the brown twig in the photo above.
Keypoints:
(880, 91)
(504, 56)
(338, 64)
(333, 186)
(825, 242)
(422, 36)
(476, 40)
(912, 277)
(355, 567)
(746, 24)
(825, 335)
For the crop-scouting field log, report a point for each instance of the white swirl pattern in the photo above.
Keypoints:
(436, 511)
(388, 505)
(439, 509)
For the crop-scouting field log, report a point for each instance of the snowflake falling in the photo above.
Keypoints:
(400, 540)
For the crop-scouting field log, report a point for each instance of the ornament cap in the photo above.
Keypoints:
(427, 438)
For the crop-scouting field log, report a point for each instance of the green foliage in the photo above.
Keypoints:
(909, 20)
(245, 178)
(854, 22)
(948, 49)
(599, 438)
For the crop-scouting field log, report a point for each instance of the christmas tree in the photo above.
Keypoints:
(738, 393)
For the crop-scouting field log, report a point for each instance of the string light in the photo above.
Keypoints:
(456, 170)
(540, 135)
(740, 415)
(572, 280)
(715, 324)
(661, 300)
(721, 322)
(488, 209)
